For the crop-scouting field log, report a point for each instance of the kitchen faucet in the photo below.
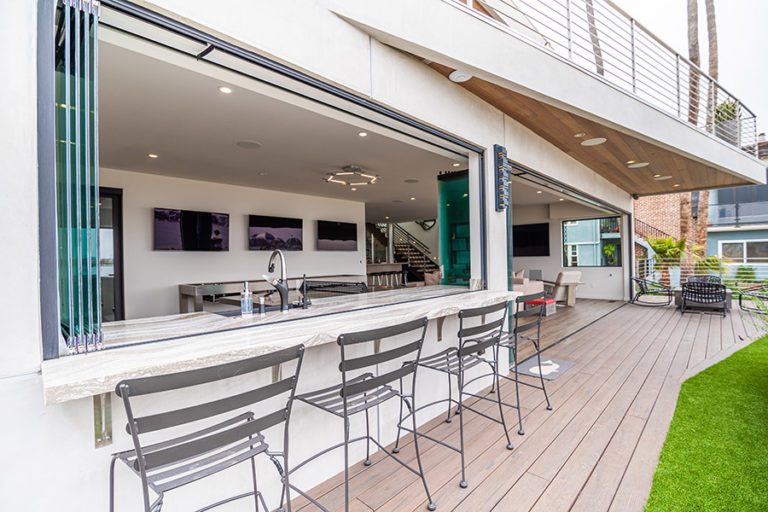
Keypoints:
(281, 285)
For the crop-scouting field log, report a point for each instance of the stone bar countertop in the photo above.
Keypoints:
(197, 340)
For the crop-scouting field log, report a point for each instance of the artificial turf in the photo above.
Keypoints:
(715, 456)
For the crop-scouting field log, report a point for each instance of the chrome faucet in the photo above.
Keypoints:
(281, 285)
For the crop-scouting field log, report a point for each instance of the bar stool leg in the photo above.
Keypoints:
(396, 449)
(463, 483)
(346, 460)
(450, 398)
(496, 350)
(430, 504)
(541, 376)
(367, 461)
(520, 430)
(112, 484)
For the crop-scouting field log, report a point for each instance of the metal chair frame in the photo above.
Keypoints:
(366, 390)
(178, 461)
(473, 343)
(532, 326)
(759, 293)
(653, 289)
(699, 294)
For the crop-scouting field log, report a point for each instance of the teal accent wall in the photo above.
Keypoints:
(453, 223)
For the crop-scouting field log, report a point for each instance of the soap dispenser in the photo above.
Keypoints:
(246, 301)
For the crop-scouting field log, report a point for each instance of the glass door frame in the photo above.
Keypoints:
(116, 194)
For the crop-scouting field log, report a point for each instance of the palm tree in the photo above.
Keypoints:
(703, 210)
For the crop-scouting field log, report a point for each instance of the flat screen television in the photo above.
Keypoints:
(336, 236)
(530, 240)
(267, 233)
(186, 230)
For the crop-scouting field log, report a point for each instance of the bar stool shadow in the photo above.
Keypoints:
(474, 343)
(177, 461)
(360, 390)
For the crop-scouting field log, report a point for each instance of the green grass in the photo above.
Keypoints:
(716, 453)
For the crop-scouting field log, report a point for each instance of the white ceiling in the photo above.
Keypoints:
(147, 105)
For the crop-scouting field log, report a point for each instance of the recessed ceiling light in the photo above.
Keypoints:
(538, 191)
(638, 165)
(225, 90)
(662, 178)
(386, 217)
(594, 142)
(657, 175)
(456, 164)
(353, 189)
(676, 185)
(465, 194)
(459, 76)
(262, 173)
(152, 155)
(411, 180)
(362, 134)
(413, 199)
(561, 199)
(248, 144)
(630, 162)
(580, 135)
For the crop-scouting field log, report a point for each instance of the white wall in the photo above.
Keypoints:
(599, 282)
(152, 277)
(429, 237)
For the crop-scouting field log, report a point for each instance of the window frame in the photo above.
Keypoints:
(744, 259)
(574, 222)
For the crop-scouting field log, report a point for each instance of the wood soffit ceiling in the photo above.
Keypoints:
(609, 159)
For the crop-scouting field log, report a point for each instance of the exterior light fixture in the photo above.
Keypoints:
(594, 142)
(676, 185)
(152, 155)
(413, 199)
(225, 90)
(663, 178)
(539, 192)
(638, 165)
(459, 76)
(352, 176)
(579, 135)
(362, 134)
(456, 164)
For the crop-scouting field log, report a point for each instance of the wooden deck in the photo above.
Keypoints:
(597, 450)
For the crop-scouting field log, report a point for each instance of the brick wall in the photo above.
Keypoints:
(661, 212)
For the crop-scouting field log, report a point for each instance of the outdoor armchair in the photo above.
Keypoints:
(704, 295)
(645, 288)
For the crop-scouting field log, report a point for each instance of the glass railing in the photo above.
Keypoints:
(738, 214)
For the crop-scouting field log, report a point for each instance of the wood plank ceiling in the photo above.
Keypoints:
(610, 159)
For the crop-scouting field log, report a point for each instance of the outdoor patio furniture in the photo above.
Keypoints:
(753, 298)
(707, 278)
(527, 329)
(563, 289)
(478, 346)
(365, 385)
(232, 433)
(647, 288)
(703, 295)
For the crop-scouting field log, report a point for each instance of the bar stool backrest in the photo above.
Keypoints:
(225, 433)
(408, 353)
(530, 318)
(480, 337)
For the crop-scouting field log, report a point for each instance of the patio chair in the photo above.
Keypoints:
(706, 278)
(751, 298)
(231, 433)
(647, 288)
(703, 295)
(563, 289)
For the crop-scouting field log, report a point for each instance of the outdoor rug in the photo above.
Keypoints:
(551, 368)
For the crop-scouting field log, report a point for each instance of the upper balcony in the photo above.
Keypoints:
(604, 40)
(572, 70)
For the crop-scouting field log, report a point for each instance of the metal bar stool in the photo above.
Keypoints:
(234, 438)
(361, 389)
(474, 343)
(526, 321)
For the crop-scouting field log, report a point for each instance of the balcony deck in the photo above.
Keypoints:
(597, 450)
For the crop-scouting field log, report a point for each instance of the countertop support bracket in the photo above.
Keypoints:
(277, 373)
(440, 322)
(102, 419)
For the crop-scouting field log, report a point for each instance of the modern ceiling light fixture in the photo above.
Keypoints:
(351, 175)
(663, 178)
(596, 141)
(637, 165)
(539, 192)
(362, 134)
(456, 164)
(459, 76)
(413, 199)
(152, 155)
(630, 162)
(579, 135)
(225, 90)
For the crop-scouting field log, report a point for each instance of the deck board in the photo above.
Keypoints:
(597, 450)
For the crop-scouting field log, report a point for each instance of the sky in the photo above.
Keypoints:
(742, 37)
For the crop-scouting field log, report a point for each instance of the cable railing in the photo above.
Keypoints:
(601, 38)
(735, 274)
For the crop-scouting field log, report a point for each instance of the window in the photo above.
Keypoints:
(592, 242)
(744, 251)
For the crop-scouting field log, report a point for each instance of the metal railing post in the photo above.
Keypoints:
(677, 73)
(569, 28)
(713, 106)
(632, 49)
(738, 123)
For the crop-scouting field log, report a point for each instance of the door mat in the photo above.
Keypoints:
(550, 368)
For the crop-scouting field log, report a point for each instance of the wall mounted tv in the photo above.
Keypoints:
(186, 230)
(336, 236)
(530, 240)
(267, 233)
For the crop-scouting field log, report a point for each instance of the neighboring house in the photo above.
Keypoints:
(183, 126)
(738, 222)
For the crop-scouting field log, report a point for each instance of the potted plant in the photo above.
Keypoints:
(609, 251)
(668, 252)
(727, 122)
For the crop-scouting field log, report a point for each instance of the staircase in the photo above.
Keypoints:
(407, 248)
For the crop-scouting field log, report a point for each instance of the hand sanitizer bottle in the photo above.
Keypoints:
(246, 301)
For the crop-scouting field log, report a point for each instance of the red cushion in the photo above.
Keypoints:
(545, 300)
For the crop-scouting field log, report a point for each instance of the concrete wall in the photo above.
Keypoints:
(152, 277)
(599, 282)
